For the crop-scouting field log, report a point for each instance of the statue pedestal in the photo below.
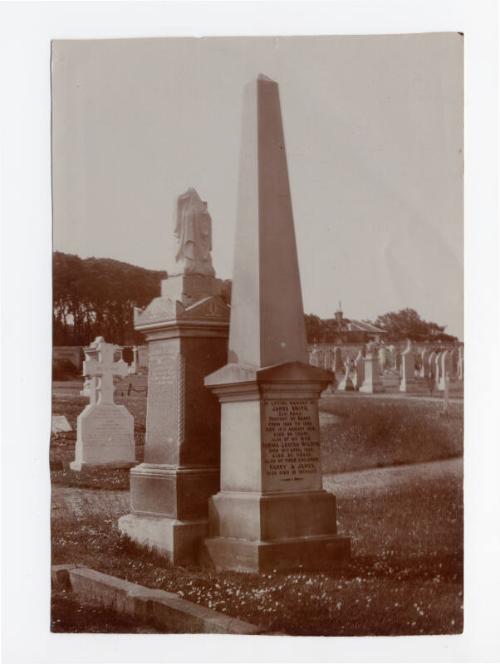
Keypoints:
(272, 511)
(169, 492)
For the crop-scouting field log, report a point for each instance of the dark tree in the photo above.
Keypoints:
(96, 296)
(407, 324)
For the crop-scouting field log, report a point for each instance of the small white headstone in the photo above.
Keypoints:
(105, 430)
(60, 424)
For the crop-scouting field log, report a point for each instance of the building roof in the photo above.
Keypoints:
(361, 326)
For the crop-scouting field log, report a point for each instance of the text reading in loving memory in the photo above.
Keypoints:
(291, 438)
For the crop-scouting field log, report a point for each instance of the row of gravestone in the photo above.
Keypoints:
(410, 364)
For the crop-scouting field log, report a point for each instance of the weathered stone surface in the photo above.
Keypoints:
(193, 230)
(162, 609)
(271, 510)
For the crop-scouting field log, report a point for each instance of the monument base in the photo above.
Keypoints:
(309, 553)
(253, 532)
(407, 385)
(178, 540)
(81, 465)
(170, 509)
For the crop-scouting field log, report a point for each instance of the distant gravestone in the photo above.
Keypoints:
(60, 424)
(437, 370)
(431, 365)
(460, 364)
(347, 382)
(371, 382)
(359, 367)
(382, 359)
(392, 357)
(337, 361)
(407, 369)
(105, 430)
(445, 369)
(424, 369)
(454, 362)
(328, 359)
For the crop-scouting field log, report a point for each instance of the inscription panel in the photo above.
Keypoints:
(290, 445)
(163, 400)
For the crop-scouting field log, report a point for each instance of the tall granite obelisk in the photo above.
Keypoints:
(271, 510)
(186, 329)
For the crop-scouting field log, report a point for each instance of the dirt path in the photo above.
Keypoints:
(377, 480)
(67, 501)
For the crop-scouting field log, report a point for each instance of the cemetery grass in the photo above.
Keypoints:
(368, 433)
(378, 432)
(68, 615)
(405, 576)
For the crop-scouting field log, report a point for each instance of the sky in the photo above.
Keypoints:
(374, 137)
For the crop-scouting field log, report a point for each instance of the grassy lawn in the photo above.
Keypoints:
(367, 433)
(67, 615)
(371, 433)
(405, 576)
(405, 522)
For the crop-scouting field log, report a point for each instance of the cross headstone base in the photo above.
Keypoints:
(105, 437)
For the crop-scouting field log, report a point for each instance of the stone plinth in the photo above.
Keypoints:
(272, 511)
(169, 492)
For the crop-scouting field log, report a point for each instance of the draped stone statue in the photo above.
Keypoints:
(193, 230)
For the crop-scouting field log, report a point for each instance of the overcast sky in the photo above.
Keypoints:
(374, 136)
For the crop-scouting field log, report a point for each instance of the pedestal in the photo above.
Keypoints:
(105, 437)
(272, 511)
(169, 492)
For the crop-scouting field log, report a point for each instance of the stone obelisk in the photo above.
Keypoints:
(271, 510)
(186, 329)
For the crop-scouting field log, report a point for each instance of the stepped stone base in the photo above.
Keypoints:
(307, 553)
(179, 541)
(253, 532)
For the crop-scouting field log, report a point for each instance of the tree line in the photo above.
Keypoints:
(397, 325)
(97, 296)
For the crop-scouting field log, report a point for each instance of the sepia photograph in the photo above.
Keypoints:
(258, 358)
(250, 307)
